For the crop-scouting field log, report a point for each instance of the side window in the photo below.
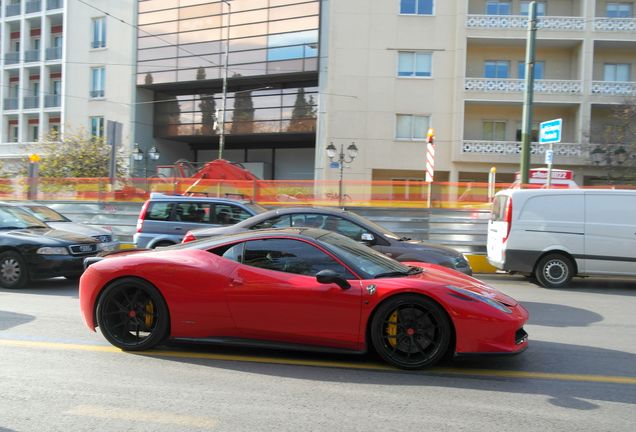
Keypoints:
(231, 252)
(308, 220)
(228, 214)
(193, 212)
(159, 211)
(344, 227)
(275, 222)
(291, 256)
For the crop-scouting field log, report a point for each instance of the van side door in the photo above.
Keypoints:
(610, 233)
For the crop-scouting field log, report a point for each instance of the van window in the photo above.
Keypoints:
(499, 208)
(228, 214)
(549, 208)
(159, 211)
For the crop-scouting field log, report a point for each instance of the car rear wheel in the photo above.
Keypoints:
(13, 270)
(132, 315)
(554, 271)
(411, 332)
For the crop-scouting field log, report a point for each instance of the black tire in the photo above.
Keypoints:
(13, 270)
(411, 332)
(161, 244)
(554, 271)
(132, 315)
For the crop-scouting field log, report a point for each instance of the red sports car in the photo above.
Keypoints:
(298, 288)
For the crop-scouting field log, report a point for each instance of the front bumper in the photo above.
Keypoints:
(48, 266)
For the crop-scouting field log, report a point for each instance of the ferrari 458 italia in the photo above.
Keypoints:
(302, 288)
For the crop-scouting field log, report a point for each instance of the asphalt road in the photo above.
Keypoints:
(578, 374)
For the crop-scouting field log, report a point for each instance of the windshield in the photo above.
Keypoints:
(255, 208)
(15, 218)
(47, 214)
(368, 263)
(375, 227)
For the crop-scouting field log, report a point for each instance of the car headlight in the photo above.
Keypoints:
(479, 297)
(47, 250)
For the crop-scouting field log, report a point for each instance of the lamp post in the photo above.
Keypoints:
(341, 158)
(225, 70)
(138, 156)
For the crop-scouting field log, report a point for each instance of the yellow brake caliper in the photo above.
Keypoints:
(149, 311)
(391, 330)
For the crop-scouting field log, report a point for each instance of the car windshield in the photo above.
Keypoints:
(47, 214)
(15, 218)
(255, 208)
(369, 263)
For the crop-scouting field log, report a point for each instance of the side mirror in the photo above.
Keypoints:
(367, 238)
(330, 276)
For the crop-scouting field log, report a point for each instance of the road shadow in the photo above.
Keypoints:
(12, 319)
(557, 315)
(461, 373)
(54, 287)
(599, 285)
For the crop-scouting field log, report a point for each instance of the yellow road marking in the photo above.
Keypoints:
(607, 379)
(136, 415)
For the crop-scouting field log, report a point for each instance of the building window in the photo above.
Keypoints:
(414, 64)
(292, 45)
(616, 72)
(618, 10)
(494, 130)
(97, 126)
(34, 131)
(539, 70)
(416, 7)
(98, 79)
(98, 27)
(54, 129)
(525, 8)
(534, 133)
(495, 7)
(412, 127)
(13, 133)
(496, 69)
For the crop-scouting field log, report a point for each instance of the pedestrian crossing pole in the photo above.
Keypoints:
(430, 163)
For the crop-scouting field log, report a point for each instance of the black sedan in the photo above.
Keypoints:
(349, 224)
(30, 249)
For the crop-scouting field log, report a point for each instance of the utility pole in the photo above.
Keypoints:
(225, 70)
(526, 128)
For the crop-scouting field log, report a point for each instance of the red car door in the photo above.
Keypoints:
(274, 295)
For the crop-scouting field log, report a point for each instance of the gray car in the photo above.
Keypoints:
(164, 219)
(351, 225)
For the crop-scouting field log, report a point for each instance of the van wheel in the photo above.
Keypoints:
(554, 271)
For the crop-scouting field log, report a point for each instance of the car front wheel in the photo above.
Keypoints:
(132, 315)
(13, 270)
(411, 332)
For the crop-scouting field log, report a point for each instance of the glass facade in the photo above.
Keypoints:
(273, 48)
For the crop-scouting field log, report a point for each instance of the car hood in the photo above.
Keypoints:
(217, 231)
(73, 227)
(422, 246)
(444, 276)
(41, 235)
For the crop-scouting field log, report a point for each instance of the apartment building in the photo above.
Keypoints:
(302, 74)
(65, 65)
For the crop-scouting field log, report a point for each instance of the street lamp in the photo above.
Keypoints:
(341, 158)
(138, 156)
(225, 67)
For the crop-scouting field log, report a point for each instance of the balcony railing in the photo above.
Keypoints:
(54, 53)
(31, 102)
(33, 6)
(54, 4)
(615, 24)
(31, 56)
(11, 103)
(12, 10)
(520, 22)
(614, 88)
(11, 58)
(504, 148)
(52, 101)
(509, 85)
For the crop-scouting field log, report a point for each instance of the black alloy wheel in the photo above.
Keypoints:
(411, 332)
(13, 270)
(554, 271)
(132, 315)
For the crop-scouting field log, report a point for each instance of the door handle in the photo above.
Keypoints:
(236, 282)
(178, 228)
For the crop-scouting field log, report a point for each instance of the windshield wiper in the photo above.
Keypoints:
(391, 274)
(11, 227)
(405, 238)
(415, 270)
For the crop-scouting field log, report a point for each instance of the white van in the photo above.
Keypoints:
(555, 234)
